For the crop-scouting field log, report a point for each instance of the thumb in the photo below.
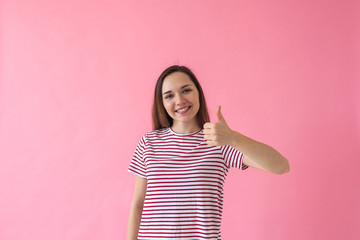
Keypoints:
(219, 115)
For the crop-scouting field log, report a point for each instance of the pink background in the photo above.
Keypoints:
(77, 80)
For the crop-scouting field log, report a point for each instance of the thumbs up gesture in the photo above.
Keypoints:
(218, 133)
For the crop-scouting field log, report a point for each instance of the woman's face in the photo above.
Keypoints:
(180, 98)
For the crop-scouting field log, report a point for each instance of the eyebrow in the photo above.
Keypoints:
(180, 88)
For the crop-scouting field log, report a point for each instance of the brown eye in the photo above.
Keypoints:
(168, 96)
(187, 90)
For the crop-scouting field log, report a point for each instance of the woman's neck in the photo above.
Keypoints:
(185, 128)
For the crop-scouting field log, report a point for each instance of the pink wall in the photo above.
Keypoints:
(77, 80)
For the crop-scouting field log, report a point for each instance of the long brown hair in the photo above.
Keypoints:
(161, 118)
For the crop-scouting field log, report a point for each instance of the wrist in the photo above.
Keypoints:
(234, 138)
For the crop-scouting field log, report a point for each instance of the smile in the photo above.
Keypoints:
(183, 110)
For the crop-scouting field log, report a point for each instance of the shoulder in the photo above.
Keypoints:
(157, 134)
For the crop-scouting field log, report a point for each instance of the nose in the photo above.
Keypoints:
(179, 99)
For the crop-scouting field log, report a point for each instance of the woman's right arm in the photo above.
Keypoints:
(136, 208)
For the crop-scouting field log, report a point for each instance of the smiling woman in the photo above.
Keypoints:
(181, 165)
(181, 102)
(165, 89)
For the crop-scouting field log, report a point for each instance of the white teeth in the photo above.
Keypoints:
(182, 109)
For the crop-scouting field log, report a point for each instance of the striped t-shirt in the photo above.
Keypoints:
(185, 179)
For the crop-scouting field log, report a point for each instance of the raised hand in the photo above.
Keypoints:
(218, 133)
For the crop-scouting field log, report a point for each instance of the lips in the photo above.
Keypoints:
(183, 109)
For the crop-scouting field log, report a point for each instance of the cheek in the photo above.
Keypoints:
(167, 106)
(196, 99)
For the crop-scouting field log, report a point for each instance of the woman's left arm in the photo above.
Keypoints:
(256, 154)
(259, 155)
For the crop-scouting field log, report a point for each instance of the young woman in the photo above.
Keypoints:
(182, 164)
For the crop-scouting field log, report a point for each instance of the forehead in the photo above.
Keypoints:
(176, 80)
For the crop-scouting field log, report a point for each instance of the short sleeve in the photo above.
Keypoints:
(137, 164)
(233, 157)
